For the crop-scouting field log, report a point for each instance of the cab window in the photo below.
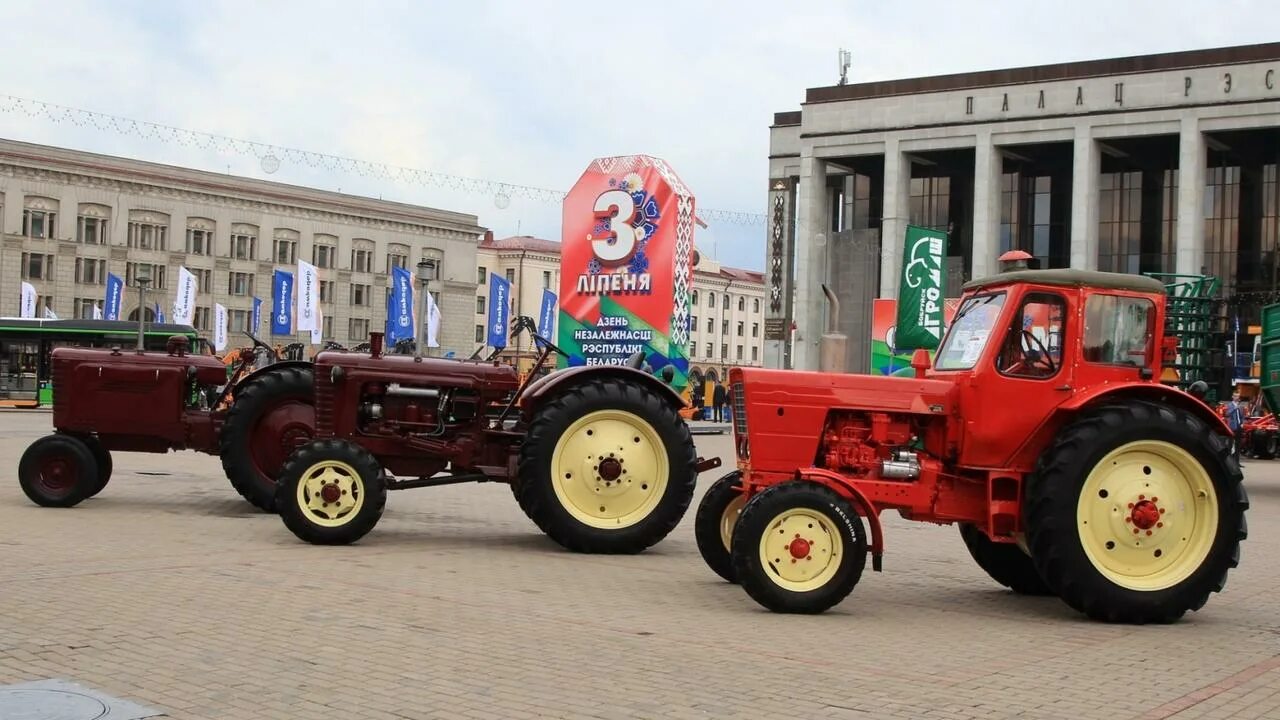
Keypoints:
(970, 328)
(1118, 330)
(1033, 341)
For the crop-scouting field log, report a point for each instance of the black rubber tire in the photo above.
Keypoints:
(1270, 446)
(754, 522)
(1053, 495)
(102, 457)
(294, 472)
(706, 523)
(251, 400)
(536, 493)
(79, 464)
(1004, 562)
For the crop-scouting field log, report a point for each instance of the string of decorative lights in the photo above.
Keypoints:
(272, 156)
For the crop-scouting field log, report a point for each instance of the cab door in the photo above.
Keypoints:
(1027, 377)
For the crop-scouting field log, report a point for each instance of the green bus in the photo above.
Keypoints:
(26, 344)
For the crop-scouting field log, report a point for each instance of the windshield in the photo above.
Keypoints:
(969, 332)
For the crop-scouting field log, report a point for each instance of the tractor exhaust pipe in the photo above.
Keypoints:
(142, 311)
(833, 345)
(426, 269)
(375, 345)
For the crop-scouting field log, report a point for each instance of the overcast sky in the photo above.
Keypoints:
(530, 92)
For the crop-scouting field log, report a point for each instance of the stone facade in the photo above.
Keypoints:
(94, 214)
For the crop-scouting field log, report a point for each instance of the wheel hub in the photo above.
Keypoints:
(799, 548)
(610, 469)
(1145, 514)
(331, 493)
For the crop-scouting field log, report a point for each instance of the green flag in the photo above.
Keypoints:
(921, 290)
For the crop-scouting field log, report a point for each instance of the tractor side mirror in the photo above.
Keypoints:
(920, 361)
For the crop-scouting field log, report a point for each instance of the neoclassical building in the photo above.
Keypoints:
(1151, 164)
(70, 218)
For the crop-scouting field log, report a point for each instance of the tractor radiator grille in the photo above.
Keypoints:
(60, 380)
(740, 421)
(324, 405)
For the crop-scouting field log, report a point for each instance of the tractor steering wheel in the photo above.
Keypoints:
(1043, 354)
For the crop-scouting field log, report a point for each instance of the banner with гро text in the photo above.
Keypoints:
(921, 290)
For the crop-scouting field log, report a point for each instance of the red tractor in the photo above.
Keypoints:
(1041, 430)
(136, 401)
(598, 457)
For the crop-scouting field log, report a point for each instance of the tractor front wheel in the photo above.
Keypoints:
(102, 457)
(1006, 563)
(331, 492)
(714, 523)
(607, 467)
(1136, 513)
(58, 471)
(272, 415)
(799, 548)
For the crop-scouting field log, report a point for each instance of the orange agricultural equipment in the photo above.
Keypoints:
(1042, 431)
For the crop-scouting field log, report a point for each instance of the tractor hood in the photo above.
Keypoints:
(791, 388)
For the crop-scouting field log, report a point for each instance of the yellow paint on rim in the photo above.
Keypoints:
(729, 519)
(820, 552)
(348, 503)
(606, 500)
(1147, 515)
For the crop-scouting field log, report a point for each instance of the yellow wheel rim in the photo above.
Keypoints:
(729, 519)
(609, 469)
(1147, 515)
(801, 550)
(330, 493)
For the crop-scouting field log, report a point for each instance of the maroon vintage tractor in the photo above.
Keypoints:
(1042, 431)
(598, 457)
(136, 401)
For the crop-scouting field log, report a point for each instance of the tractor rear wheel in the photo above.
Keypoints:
(799, 548)
(1006, 563)
(1136, 513)
(607, 467)
(331, 492)
(58, 471)
(713, 525)
(271, 416)
(102, 457)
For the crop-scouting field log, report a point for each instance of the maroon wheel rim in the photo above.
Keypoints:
(280, 430)
(58, 473)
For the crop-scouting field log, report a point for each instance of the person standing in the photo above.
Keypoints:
(717, 399)
(1235, 421)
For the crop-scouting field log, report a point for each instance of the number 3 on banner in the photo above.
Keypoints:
(615, 245)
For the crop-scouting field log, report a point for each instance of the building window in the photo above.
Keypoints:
(755, 305)
(693, 299)
(511, 275)
(693, 350)
(322, 256)
(44, 306)
(38, 224)
(711, 325)
(480, 333)
(546, 279)
(724, 327)
(1120, 222)
(37, 266)
(326, 291)
(357, 328)
(238, 321)
(711, 300)
(482, 275)
(204, 279)
(1222, 222)
(360, 295)
(362, 256)
(741, 328)
(199, 242)
(693, 322)
(724, 351)
(742, 304)
(709, 351)
(200, 319)
(90, 271)
(240, 283)
(725, 304)
(931, 202)
(479, 305)
(739, 353)
(154, 272)
(148, 236)
(84, 308)
(285, 251)
(755, 354)
(91, 230)
(755, 329)
(243, 247)
(397, 257)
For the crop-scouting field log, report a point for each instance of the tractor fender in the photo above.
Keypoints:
(301, 364)
(543, 387)
(842, 487)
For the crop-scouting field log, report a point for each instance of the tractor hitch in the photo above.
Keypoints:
(707, 464)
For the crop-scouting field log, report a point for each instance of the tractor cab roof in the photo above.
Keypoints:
(1071, 278)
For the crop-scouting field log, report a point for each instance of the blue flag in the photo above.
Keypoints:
(159, 315)
(282, 298)
(255, 320)
(547, 317)
(115, 291)
(400, 307)
(499, 300)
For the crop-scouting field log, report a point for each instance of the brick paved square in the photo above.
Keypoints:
(171, 592)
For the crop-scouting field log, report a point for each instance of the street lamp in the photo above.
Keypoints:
(142, 278)
(426, 273)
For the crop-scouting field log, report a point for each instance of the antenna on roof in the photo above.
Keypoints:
(844, 57)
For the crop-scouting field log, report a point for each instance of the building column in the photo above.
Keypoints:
(895, 213)
(813, 214)
(1192, 159)
(1085, 168)
(987, 173)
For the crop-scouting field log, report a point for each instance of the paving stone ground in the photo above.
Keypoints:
(170, 591)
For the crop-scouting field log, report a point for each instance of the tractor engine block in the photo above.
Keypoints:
(868, 445)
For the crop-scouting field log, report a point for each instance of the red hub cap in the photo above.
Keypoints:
(330, 493)
(799, 548)
(1145, 515)
(610, 469)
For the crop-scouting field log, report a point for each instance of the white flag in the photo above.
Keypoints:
(308, 294)
(49, 314)
(219, 327)
(317, 332)
(184, 302)
(433, 322)
(97, 312)
(28, 300)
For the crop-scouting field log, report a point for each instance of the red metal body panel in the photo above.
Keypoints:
(539, 388)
